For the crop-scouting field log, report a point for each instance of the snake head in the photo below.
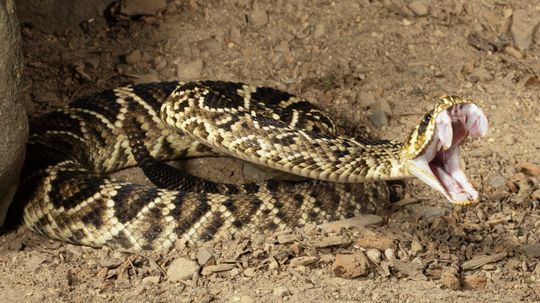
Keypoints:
(432, 150)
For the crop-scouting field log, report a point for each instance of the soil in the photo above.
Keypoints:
(376, 66)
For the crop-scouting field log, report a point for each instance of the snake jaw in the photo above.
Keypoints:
(439, 163)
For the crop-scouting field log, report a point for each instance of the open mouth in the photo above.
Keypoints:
(439, 164)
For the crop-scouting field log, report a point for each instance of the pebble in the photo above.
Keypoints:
(379, 242)
(378, 119)
(530, 169)
(142, 7)
(450, 280)
(203, 256)
(182, 269)
(480, 74)
(190, 70)
(281, 291)
(350, 266)
(475, 282)
(150, 280)
(249, 272)
(523, 28)
(416, 247)
(419, 8)
(246, 299)
(531, 250)
(498, 181)
(390, 254)
(133, 57)
(257, 17)
(374, 255)
(320, 31)
(537, 270)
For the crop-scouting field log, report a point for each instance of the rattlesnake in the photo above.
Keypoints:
(65, 192)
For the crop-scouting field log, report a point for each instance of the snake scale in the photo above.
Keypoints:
(66, 193)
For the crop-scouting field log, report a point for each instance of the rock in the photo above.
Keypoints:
(150, 280)
(14, 129)
(537, 269)
(379, 242)
(350, 266)
(257, 17)
(390, 254)
(374, 255)
(133, 57)
(523, 28)
(190, 71)
(428, 212)
(475, 282)
(530, 169)
(182, 269)
(281, 291)
(419, 8)
(450, 280)
(246, 299)
(480, 74)
(498, 181)
(531, 250)
(249, 272)
(320, 31)
(416, 247)
(378, 119)
(287, 238)
(211, 269)
(398, 7)
(203, 256)
(142, 7)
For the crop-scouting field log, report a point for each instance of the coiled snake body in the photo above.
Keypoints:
(65, 192)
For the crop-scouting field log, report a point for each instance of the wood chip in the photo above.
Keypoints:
(411, 270)
(303, 261)
(379, 242)
(352, 223)
(480, 261)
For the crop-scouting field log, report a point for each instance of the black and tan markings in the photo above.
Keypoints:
(67, 195)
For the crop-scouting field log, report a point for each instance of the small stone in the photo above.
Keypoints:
(514, 52)
(320, 31)
(378, 119)
(287, 238)
(182, 269)
(523, 27)
(203, 256)
(480, 74)
(257, 17)
(390, 254)
(150, 280)
(416, 247)
(281, 291)
(190, 71)
(475, 282)
(498, 181)
(379, 242)
(450, 280)
(246, 299)
(374, 255)
(530, 169)
(211, 269)
(350, 266)
(537, 270)
(133, 57)
(419, 8)
(249, 272)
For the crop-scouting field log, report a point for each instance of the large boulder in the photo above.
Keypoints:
(13, 121)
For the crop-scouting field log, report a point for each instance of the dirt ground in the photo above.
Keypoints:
(375, 66)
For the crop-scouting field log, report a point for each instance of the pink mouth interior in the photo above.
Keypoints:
(439, 165)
